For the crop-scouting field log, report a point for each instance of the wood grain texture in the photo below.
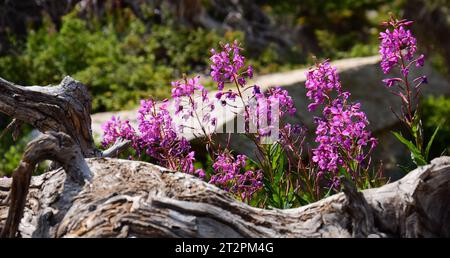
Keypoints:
(58, 147)
(62, 114)
(62, 108)
(137, 199)
(89, 195)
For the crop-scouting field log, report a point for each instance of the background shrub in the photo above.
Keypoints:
(436, 112)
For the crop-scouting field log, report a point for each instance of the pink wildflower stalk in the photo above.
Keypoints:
(398, 50)
(156, 137)
(341, 132)
(230, 174)
(398, 47)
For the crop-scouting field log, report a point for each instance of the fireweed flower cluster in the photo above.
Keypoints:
(268, 108)
(341, 131)
(278, 96)
(191, 101)
(228, 66)
(262, 110)
(320, 82)
(156, 137)
(397, 49)
(230, 174)
(186, 89)
(396, 44)
(115, 129)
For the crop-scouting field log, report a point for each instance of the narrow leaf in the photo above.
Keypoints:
(415, 152)
(427, 150)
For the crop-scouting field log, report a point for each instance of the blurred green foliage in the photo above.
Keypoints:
(340, 29)
(123, 60)
(11, 151)
(119, 61)
(435, 112)
(11, 158)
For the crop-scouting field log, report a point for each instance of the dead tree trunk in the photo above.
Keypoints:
(63, 108)
(63, 113)
(137, 199)
(93, 196)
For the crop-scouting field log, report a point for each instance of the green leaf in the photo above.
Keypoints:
(405, 169)
(427, 150)
(328, 194)
(415, 125)
(415, 152)
(344, 172)
(275, 183)
(304, 198)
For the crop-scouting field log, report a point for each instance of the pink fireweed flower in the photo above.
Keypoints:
(228, 66)
(156, 136)
(200, 173)
(397, 49)
(395, 44)
(268, 108)
(341, 132)
(281, 96)
(341, 135)
(159, 137)
(320, 81)
(229, 174)
(186, 87)
(155, 125)
(192, 101)
(420, 61)
(115, 129)
(250, 71)
(248, 183)
(398, 46)
(392, 81)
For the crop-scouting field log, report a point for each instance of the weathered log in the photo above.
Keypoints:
(62, 108)
(54, 146)
(62, 112)
(137, 199)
